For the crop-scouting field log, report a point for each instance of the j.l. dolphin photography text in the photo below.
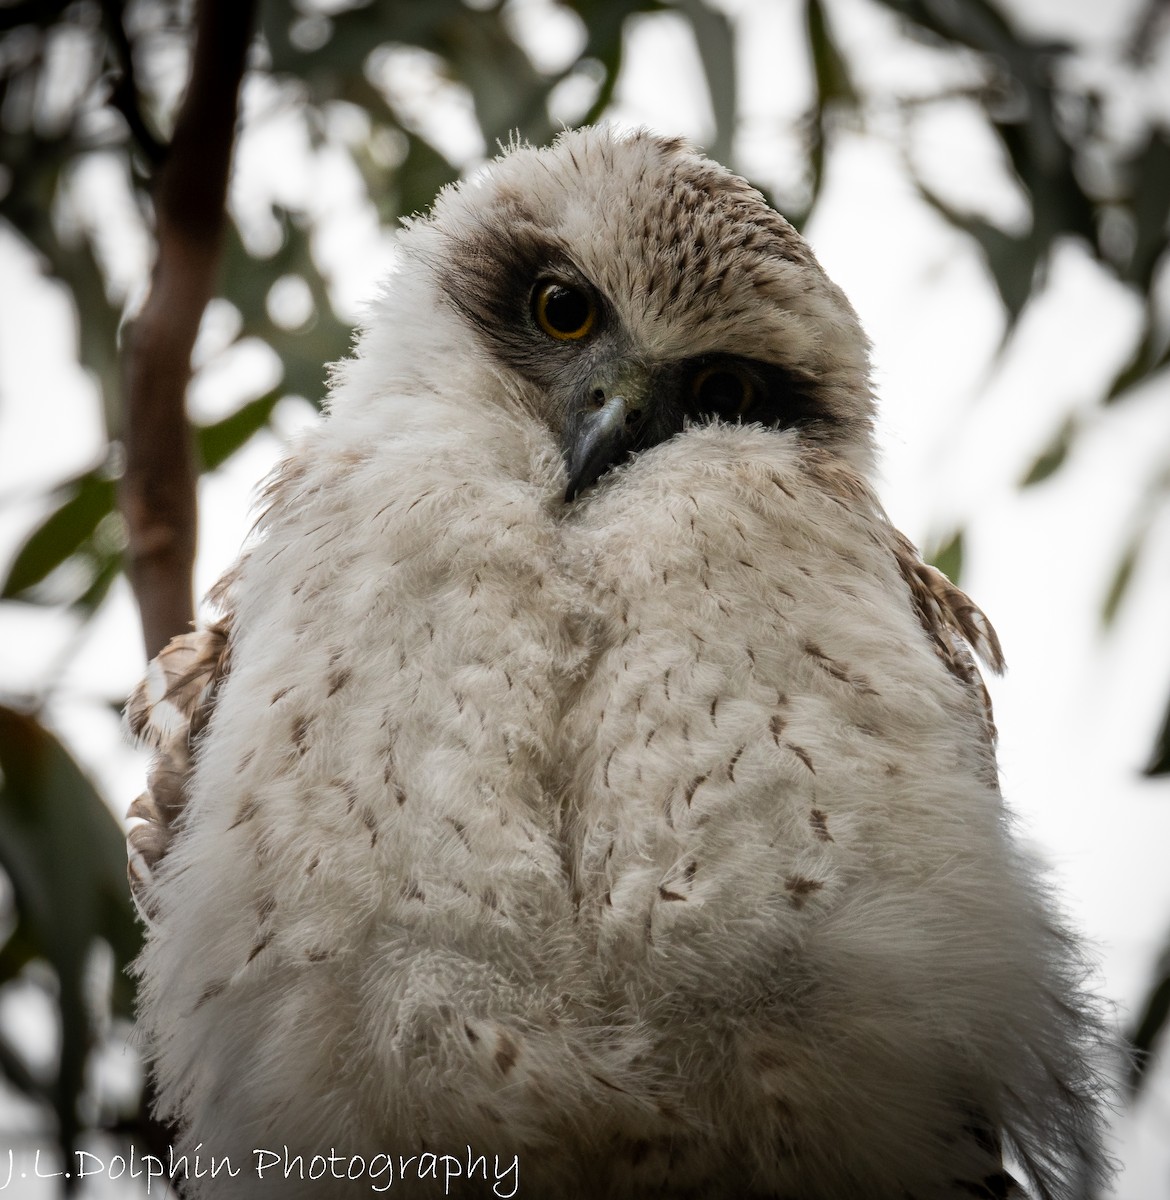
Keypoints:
(270, 1164)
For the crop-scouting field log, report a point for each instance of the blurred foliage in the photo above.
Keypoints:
(83, 81)
(65, 861)
(948, 556)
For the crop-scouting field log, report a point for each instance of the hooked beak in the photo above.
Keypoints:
(606, 426)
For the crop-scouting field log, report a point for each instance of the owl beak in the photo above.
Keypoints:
(606, 426)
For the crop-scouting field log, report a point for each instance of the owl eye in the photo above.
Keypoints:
(565, 313)
(724, 390)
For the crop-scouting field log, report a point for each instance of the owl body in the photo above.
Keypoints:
(652, 837)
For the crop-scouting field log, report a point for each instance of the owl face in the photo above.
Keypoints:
(631, 287)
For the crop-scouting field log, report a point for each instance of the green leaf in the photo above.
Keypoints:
(1052, 457)
(1150, 172)
(1135, 547)
(219, 441)
(64, 855)
(605, 22)
(62, 534)
(1119, 585)
(1159, 763)
(834, 90)
(1032, 135)
(973, 23)
(1012, 261)
(948, 557)
(833, 81)
(105, 569)
(1151, 355)
(716, 42)
(1044, 164)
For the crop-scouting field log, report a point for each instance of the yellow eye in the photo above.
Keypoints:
(564, 313)
(724, 390)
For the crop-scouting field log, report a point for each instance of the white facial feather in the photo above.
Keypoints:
(653, 837)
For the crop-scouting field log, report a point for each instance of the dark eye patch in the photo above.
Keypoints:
(725, 390)
(731, 388)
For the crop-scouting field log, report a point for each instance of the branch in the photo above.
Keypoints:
(157, 493)
(124, 95)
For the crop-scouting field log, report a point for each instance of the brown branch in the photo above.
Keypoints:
(157, 492)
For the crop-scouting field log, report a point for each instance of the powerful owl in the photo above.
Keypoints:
(578, 774)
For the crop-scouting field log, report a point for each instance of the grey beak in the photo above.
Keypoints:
(600, 435)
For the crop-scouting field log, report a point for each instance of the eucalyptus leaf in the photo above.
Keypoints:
(716, 42)
(1159, 763)
(105, 567)
(83, 504)
(834, 90)
(1150, 206)
(948, 557)
(1053, 456)
(1012, 260)
(1119, 585)
(219, 441)
(605, 24)
(1150, 355)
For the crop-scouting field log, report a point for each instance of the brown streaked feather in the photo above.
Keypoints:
(946, 610)
(953, 622)
(167, 711)
(176, 682)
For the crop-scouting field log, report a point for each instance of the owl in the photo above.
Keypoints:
(579, 788)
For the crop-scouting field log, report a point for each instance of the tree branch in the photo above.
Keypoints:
(157, 493)
(124, 95)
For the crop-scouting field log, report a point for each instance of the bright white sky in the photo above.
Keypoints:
(1079, 707)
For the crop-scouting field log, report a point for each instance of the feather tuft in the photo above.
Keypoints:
(167, 711)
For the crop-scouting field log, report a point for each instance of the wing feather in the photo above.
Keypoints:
(946, 611)
(955, 624)
(167, 710)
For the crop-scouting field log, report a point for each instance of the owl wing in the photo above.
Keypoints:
(953, 622)
(167, 711)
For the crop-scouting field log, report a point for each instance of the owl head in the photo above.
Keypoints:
(620, 286)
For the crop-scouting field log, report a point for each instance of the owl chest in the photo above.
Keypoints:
(639, 724)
